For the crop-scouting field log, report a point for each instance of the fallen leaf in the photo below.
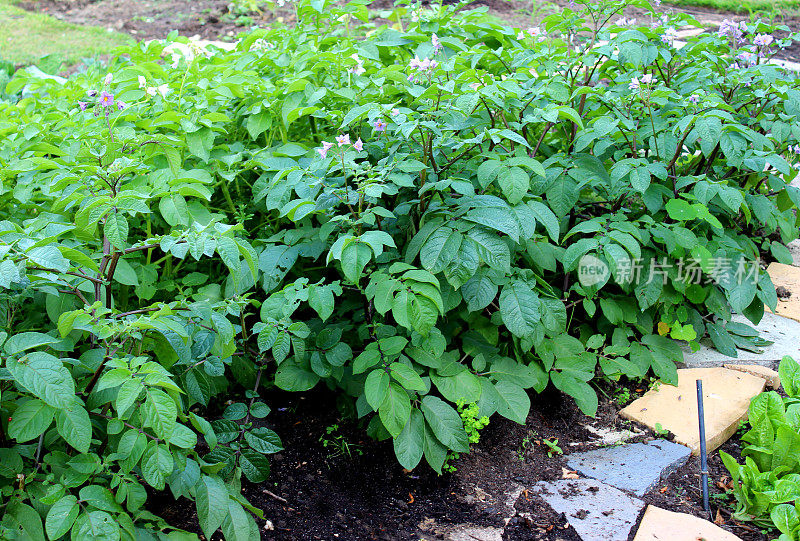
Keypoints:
(411, 496)
(568, 474)
(663, 490)
(718, 520)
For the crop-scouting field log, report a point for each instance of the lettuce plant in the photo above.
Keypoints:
(435, 210)
(769, 480)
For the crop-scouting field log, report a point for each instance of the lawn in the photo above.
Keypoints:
(25, 37)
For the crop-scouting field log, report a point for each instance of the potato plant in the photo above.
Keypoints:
(434, 211)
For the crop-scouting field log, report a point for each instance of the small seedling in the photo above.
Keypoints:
(622, 396)
(552, 448)
(338, 444)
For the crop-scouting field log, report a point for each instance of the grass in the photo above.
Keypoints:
(26, 37)
(762, 7)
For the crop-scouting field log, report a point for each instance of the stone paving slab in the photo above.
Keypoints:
(635, 468)
(784, 332)
(470, 532)
(597, 511)
(661, 525)
(794, 249)
(726, 397)
(787, 276)
(771, 376)
(612, 436)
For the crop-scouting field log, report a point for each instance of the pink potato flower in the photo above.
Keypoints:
(106, 99)
(326, 146)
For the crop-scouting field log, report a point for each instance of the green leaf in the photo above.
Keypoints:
(27, 340)
(200, 143)
(445, 422)
(365, 360)
(513, 402)
(254, 465)
(99, 497)
(440, 249)
(127, 394)
(407, 377)
(116, 230)
(376, 387)
(97, 526)
(24, 521)
(582, 392)
(789, 372)
(355, 257)
(174, 210)
(238, 524)
(156, 465)
(74, 426)
(519, 308)
(211, 503)
(478, 292)
(680, 210)
(228, 251)
(666, 354)
(722, 339)
(409, 444)
(48, 257)
(321, 299)
(514, 182)
(546, 217)
(160, 412)
(491, 248)
(61, 517)
(435, 452)
(464, 386)
(30, 420)
(291, 377)
(563, 195)
(263, 440)
(45, 376)
(395, 410)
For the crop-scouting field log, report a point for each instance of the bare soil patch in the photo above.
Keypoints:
(332, 495)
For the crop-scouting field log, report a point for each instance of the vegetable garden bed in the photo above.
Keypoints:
(433, 222)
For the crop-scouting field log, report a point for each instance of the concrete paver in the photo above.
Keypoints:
(787, 276)
(771, 376)
(726, 397)
(635, 468)
(661, 525)
(597, 511)
(784, 332)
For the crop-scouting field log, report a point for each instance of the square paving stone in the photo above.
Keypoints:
(726, 397)
(662, 525)
(780, 330)
(597, 511)
(635, 468)
(787, 276)
(772, 377)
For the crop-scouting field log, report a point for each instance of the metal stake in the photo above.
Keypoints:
(703, 456)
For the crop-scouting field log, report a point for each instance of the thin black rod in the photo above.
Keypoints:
(703, 455)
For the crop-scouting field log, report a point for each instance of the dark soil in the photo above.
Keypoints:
(366, 495)
(211, 19)
(154, 19)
